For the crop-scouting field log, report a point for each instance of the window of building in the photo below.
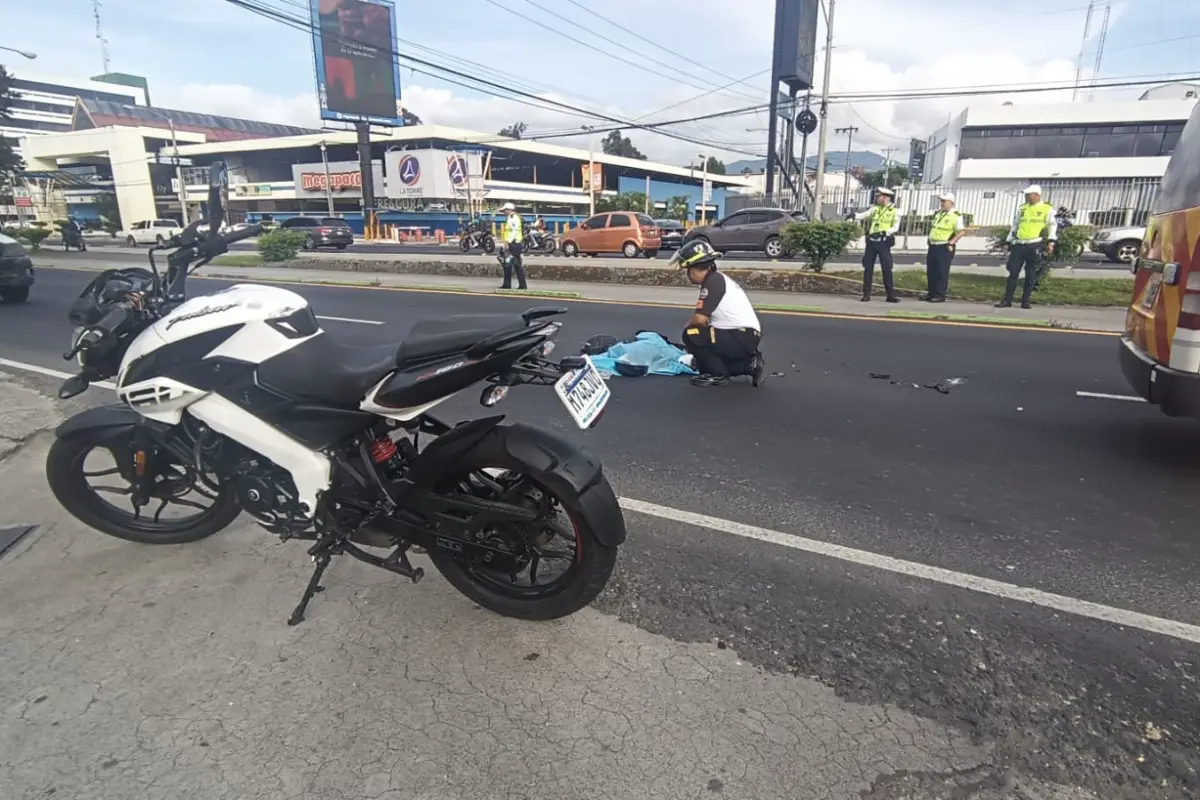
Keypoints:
(1092, 141)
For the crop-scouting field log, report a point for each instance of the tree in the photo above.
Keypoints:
(677, 207)
(629, 201)
(897, 174)
(514, 131)
(617, 145)
(110, 213)
(715, 166)
(819, 242)
(10, 163)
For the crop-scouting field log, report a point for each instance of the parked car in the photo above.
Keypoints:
(625, 232)
(322, 231)
(753, 229)
(672, 233)
(16, 271)
(154, 231)
(1119, 245)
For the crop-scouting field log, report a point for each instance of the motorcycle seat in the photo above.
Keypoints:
(326, 370)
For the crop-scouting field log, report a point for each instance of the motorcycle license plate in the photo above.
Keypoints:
(584, 393)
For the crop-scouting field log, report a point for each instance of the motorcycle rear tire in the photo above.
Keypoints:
(489, 245)
(594, 561)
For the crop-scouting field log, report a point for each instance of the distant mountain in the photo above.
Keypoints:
(834, 160)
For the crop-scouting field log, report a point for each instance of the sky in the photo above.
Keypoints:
(211, 56)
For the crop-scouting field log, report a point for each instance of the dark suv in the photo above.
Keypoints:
(16, 271)
(754, 229)
(322, 231)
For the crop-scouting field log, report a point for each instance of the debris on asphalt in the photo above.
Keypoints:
(1153, 733)
(776, 374)
(1020, 408)
(880, 376)
(944, 386)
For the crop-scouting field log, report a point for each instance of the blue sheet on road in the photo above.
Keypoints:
(649, 349)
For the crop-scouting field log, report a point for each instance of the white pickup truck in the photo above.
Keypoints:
(154, 231)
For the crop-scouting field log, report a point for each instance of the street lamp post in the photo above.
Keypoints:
(26, 53)
(328, 188)
(178, 171)
(703, 183)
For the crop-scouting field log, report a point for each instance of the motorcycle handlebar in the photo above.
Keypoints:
(245, 233)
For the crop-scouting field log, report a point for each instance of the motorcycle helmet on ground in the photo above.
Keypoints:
(694, 254)
(598, 344)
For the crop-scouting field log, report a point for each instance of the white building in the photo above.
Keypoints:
(1103, 160)
(1172, 91)
(45, 105)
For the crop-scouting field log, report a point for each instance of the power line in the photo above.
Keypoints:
(493, 88)
(638, 36)
(601, 51)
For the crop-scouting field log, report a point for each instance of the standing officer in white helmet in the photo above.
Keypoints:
(1033, 225)
(514, 243)
(945, 229)
(885, 221)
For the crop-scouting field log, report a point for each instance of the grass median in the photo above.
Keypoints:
(990, 288)
(239, 260)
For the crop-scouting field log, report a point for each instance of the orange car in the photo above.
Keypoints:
(1160, 351)
(624, 232)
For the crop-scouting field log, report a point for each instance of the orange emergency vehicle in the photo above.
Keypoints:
(1160, 350)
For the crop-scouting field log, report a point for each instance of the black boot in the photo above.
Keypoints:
(1005, 303)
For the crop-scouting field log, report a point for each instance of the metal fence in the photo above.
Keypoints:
(1102, 204)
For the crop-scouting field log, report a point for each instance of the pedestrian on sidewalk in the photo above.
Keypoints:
(1033, 225)
(945, 229)
(514, 244)
(881, 235)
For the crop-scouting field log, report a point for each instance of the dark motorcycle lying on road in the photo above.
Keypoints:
(239, 402)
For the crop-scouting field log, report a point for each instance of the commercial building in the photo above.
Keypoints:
(1102, 159)
(424, 176)
(46, 105)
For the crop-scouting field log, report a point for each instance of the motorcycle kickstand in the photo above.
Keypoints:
(314, 587)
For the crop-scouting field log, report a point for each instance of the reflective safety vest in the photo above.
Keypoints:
(883, 218)
(514, 228)
(1032, 220)
(943, 227)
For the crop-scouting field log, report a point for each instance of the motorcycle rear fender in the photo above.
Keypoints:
(119, 418)
(558, 463)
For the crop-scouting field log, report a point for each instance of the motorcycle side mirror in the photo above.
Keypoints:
(72, 386)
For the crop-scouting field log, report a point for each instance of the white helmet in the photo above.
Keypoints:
(885, 190)
(1033, 188)
(508, 207)
(947, 196)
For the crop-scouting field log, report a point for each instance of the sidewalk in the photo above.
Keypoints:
(1092, 319)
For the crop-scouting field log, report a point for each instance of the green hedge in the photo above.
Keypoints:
(281, 244)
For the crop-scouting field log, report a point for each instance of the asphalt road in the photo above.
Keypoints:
(1011, 476)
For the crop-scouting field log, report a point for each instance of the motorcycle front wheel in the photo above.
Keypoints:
(525, 585)
(464, 244)
(176, 486)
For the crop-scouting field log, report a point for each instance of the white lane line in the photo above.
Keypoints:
(50, 373)
(961, 580)
(1129, 398)
(351, 319)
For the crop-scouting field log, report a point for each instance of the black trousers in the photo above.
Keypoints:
(515, 263)
(937, 269)
(1027, 257)
(721, 351)
(883, 251)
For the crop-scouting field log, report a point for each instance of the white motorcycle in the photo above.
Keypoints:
(239, 401)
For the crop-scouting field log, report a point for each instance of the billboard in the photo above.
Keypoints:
(345, 179)
(433, 175)
(358, 76)
(795, 42)
(916, 160)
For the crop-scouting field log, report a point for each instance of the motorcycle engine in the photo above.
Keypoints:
(267, 493)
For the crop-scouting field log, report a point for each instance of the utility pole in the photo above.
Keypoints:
(846, 167)
(819, 181)
(887, 164)
(591, 178)
(703, 184)
(328, 188)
